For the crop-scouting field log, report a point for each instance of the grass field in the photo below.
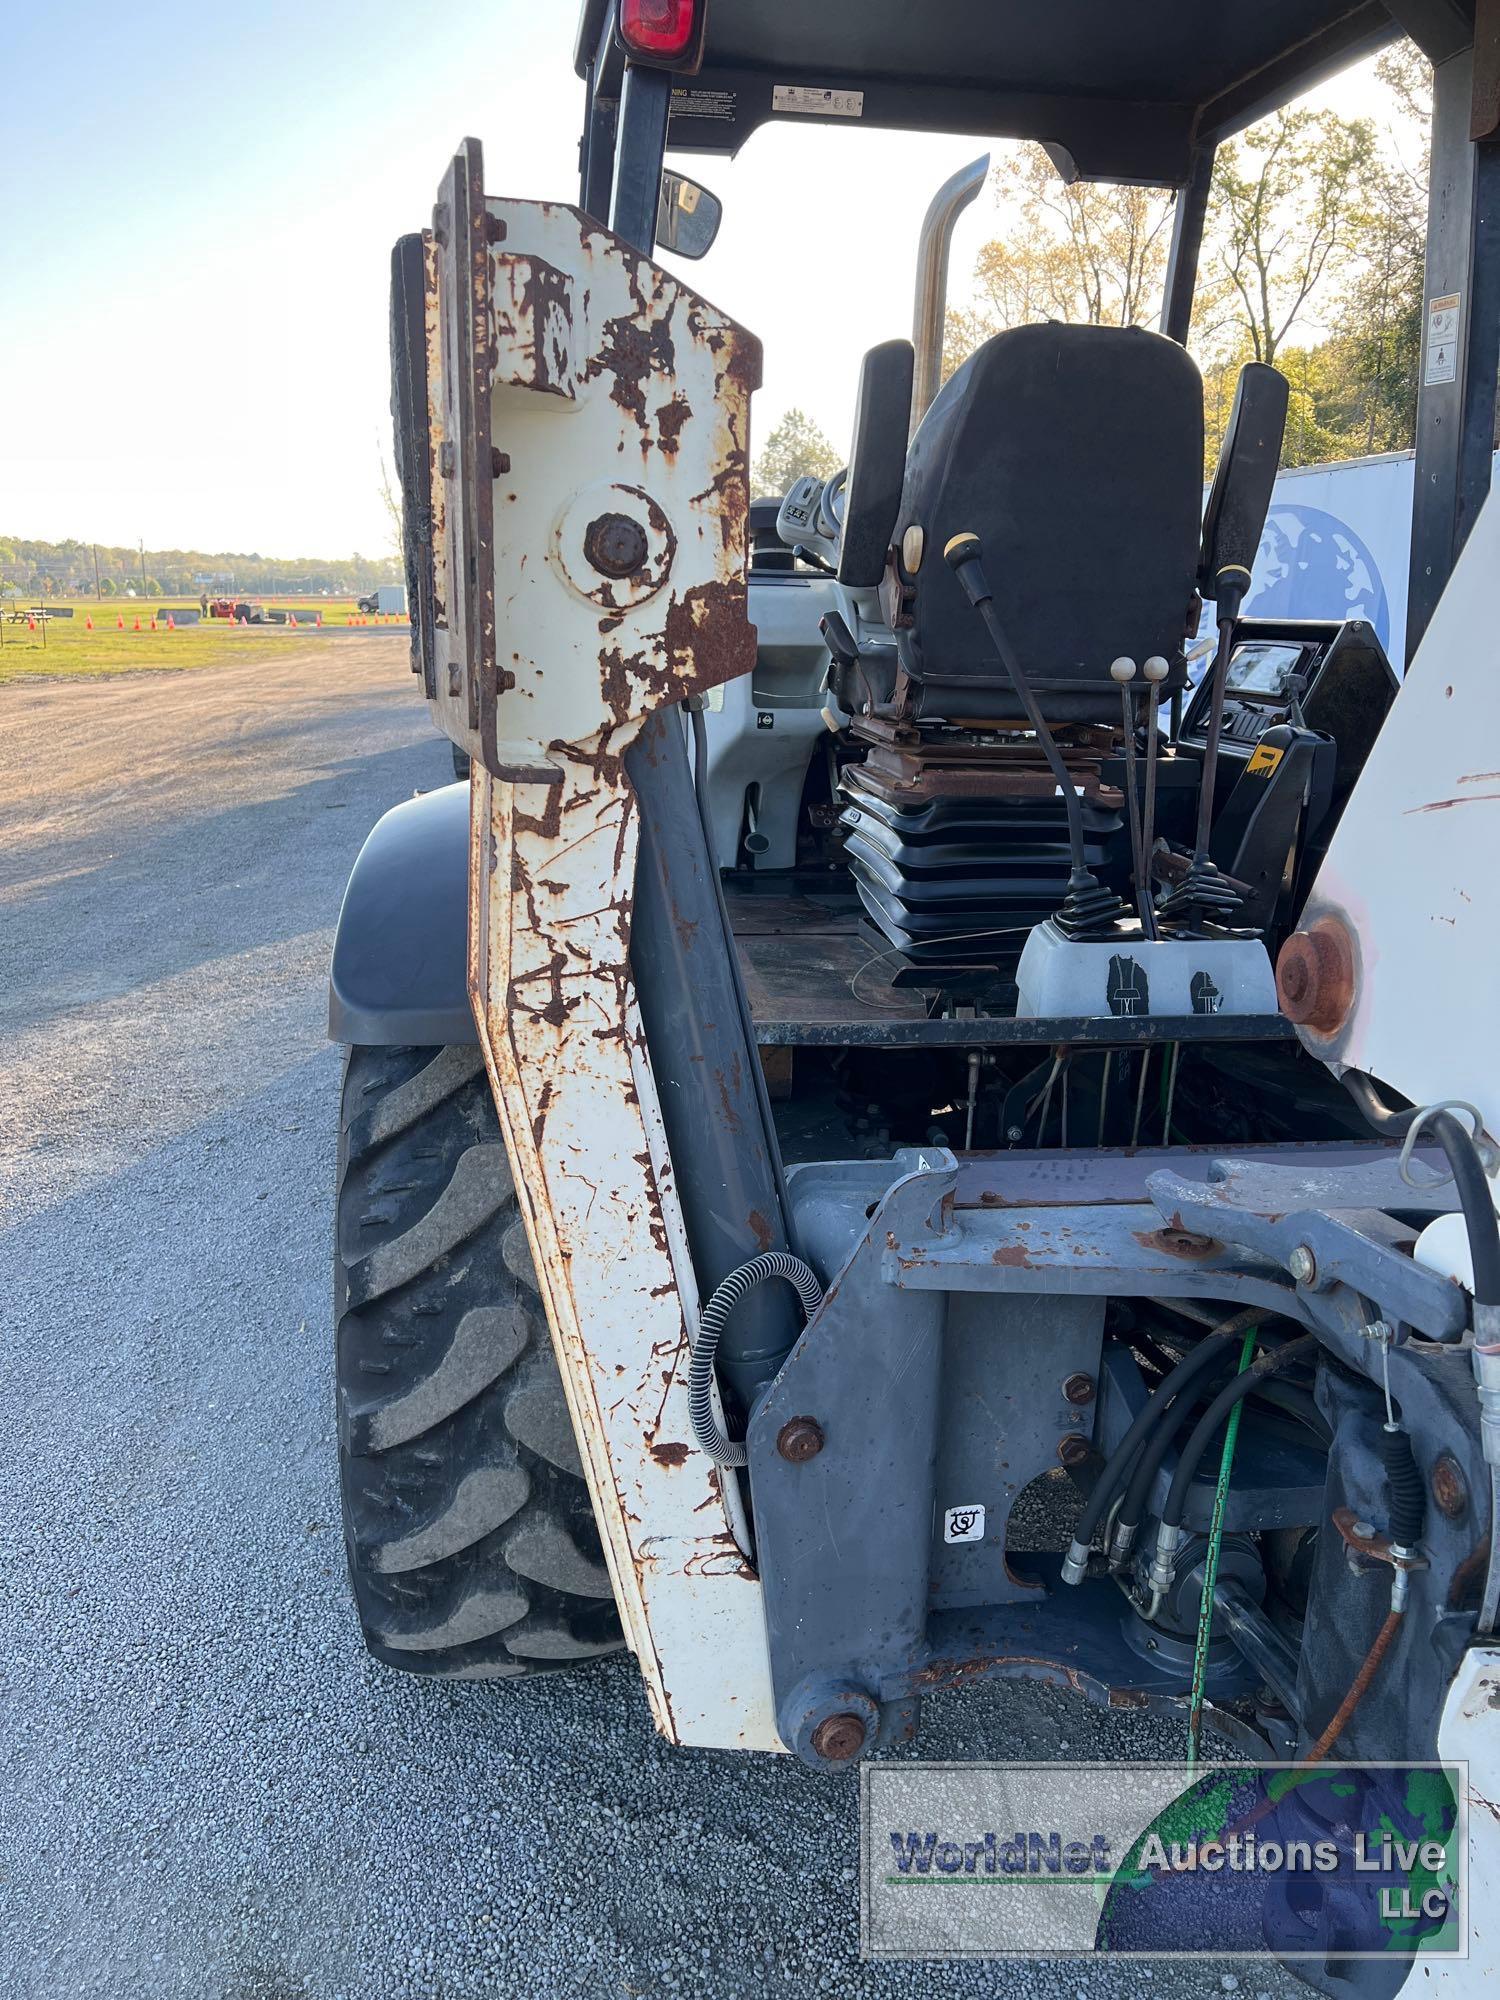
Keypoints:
(68, 649)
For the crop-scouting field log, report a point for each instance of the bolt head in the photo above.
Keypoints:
(1072, 1449)
(616, 545)
(1302, 1264)
(1079, 1388)
(1449, 1487)
(799, 1439)
(837, 1738)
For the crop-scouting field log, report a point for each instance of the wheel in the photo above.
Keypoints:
(473, 1552)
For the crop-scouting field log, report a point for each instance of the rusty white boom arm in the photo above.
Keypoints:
(584, 565)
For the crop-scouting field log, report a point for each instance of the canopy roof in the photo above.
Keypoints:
(1118, 89)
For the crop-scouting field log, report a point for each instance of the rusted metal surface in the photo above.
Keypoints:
(584, 405)
(551, 874)
(1315, 976)
(590, 431)
(839, 1738)
(799, 1439)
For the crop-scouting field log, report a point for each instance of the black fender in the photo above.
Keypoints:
(400, 974)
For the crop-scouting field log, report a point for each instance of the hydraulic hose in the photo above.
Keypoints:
(1208, 1351)
(1466, 1166)
(772, 1264)
(1207, 1426)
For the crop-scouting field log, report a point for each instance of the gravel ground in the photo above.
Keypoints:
(206, 1789)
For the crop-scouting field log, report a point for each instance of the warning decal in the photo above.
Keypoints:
(1442, 338)
(1265, 760)
(717, 104)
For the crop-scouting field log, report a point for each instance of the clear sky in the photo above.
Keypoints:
(199, 206)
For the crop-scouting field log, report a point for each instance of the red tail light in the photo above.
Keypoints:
(660, 31)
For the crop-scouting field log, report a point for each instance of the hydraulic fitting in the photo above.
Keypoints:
(1487, 1381)
(1163, 1566)
(1121, 1543)
(1076, 1562)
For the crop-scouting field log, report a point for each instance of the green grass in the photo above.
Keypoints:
(69, 650)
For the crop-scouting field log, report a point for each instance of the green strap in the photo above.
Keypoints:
(1211, 1564)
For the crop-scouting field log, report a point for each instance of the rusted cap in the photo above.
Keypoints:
(616, 545)
(1073, 1449)
(1315, 976)
(799, 1439)
(839, 1737)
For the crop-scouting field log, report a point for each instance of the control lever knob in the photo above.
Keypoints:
(1156, 668)
(1122, 670)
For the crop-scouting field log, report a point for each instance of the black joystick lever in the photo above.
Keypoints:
(1088, 909)
(1203, 892)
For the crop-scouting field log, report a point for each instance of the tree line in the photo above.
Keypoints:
(72, 568)
(1312, 259)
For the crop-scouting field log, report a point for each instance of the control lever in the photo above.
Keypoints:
(1203, 891)
(1122, 671)
(1156, 670)
(1088, 908)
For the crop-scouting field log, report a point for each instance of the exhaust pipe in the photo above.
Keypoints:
(946, 206)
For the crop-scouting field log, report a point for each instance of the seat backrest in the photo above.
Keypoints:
(1075, 453)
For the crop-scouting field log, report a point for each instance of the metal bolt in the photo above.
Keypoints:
(499, 462)
(1449, 1487)
(1363, 1529)
(837, 1738)
(1302, 1264)
(799, 1439)
(1073, 1450)
(494, 228)
(1079, 1388)
(616, 545)
(1014, 1134)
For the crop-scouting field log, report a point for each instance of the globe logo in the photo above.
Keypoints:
(1312, 565)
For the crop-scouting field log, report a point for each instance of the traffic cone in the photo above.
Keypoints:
(291, 619)
(320, 621)
(137, 624)
(31, 624)
(119, 622)
(88, 622)
(153, 624)
(171, 623)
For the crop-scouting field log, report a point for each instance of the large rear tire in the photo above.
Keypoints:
(473, 1551)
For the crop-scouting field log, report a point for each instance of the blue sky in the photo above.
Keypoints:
(199, 206)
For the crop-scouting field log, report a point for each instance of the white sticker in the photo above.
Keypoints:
(1442, 338)
(963, 1524)
(821, 103)
(693, 103)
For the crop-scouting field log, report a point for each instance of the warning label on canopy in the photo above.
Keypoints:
(1442, 338)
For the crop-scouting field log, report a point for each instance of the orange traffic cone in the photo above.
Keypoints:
(119, 622)
(153, 624)
(171, 623)
(88, 622)
(292, 620)
(320, 621)
(137, 624)
(31, 624)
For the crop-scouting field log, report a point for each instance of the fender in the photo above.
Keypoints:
(400, 953)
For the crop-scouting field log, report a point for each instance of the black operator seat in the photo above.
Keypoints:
(1075, 453)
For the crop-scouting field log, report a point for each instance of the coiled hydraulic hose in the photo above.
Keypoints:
(1208, 1351)
(771, 1264)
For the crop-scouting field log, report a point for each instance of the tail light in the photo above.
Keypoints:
(666, 33)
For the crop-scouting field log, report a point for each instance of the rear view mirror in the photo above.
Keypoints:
(1248, 463)
(687, 216)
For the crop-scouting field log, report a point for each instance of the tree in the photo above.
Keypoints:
(1285, 211)
(1080, 251)
(796, 446)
